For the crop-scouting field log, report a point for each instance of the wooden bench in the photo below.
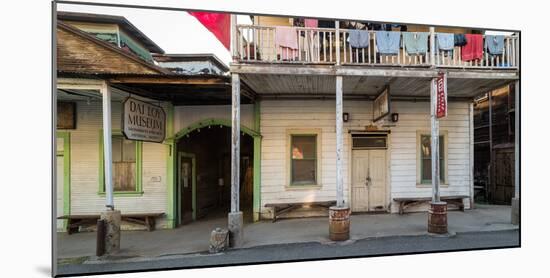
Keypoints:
(75, 221)
(282, 208)
(406, 202)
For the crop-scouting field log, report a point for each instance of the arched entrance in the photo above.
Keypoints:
(203, 171)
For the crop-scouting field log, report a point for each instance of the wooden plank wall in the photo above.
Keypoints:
(278, 116)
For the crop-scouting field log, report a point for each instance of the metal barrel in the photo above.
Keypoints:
(437, 219)
(339, 223)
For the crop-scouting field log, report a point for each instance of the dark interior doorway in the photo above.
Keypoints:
(204, 170)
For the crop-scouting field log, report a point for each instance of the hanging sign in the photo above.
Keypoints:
(143, 121)
(441, 95)
(381, 105)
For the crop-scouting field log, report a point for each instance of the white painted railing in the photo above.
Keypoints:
(318, 46)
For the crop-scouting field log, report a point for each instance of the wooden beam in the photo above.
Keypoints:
(170, 79)
(347, 70)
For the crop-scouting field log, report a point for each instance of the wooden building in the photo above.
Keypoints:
(293, 147)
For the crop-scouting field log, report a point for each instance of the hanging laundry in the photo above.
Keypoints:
(460, 40)
(473, 50)
(388, 42)
(444, 41)
(359, 38)
(494, 44)
(415, 42)
(286, 41)
(311, 23)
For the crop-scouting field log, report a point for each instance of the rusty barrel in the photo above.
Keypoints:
(339, 223)
(437, 218)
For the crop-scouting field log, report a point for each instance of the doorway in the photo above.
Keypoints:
(203, 173)
(369, 165)
(186, 187)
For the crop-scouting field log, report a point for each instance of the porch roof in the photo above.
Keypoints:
(318, 81)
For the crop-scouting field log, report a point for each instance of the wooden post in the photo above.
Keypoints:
(434, 143)
(337, 38)
(235, 140)
(515, 218)
(432, 46)
(517, 157)
(235, 217)
(437, 214)
(339, 142)
(107, 145)
(338, 217)
(489, 185)
(471, 140)
(233, 37)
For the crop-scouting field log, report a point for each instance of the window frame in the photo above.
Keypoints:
(138, 190)
(428, 182)
(303, 132)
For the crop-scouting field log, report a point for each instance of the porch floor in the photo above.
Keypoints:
(194, 237)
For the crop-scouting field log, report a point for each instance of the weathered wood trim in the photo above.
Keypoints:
(333, 70)
(79, 84)
(170, 79)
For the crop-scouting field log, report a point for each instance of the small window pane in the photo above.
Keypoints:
(303, 147)
(60, 144)
(116, 141)
(369, 142)
(426, 158)
(128, 150)
(304, 171)
(124, 176)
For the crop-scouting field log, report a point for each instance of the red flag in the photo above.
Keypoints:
(217, 23)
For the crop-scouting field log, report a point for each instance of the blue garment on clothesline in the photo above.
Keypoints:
(359, 38)
(388, 42)
(494, 44)
(445, 41)
(415, 42)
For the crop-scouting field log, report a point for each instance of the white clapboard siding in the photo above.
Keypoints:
(85, 142)
(188, 115)
(277, 116)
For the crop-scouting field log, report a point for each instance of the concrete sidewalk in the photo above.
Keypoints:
(194, 237)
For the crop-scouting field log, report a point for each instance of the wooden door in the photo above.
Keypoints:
(186, 189)
(377, 180)
(359, 194)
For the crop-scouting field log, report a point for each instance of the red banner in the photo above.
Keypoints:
(217, 23)
(441, 95)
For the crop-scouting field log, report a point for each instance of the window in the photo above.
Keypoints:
(126, 168)
(426, 159)
(303, 159)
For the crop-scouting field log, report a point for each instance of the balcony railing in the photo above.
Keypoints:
(318, 46)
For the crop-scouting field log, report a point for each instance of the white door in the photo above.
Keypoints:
(59, 184)
(377, 180)
(368, 180)
(359, 194)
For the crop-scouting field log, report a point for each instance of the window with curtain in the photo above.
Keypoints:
(303, 159)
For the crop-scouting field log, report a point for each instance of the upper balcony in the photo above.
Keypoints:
(323, 46)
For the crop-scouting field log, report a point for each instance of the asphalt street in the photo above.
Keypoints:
(303, 251)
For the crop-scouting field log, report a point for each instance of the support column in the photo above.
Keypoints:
(111, 216)
(339, 222)
(517, 159)
(257, 164)
(437, 216)
(235, 217)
